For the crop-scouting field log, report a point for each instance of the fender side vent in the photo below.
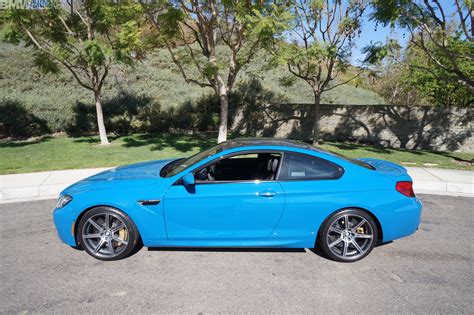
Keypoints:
(152, 202)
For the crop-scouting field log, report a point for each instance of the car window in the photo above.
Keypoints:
(177, 166)
(241, 167)
(302, 166)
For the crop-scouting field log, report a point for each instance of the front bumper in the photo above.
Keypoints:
(64, 220)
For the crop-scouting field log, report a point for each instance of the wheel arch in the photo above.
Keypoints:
(374, 217)
(83, 212)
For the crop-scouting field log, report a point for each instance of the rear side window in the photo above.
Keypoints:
(302, 166)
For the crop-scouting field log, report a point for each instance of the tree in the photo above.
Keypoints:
(216, 38)
(87, 41)
(323, 34)
(407, 77)
(433, 84)
(387, 76)
(445, 37)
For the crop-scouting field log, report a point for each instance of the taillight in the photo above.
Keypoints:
(405, 188)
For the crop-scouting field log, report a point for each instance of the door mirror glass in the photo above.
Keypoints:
(188, 179)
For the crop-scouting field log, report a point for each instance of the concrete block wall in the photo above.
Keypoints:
(410, 127)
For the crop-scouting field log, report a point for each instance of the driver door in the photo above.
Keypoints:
(234, 198)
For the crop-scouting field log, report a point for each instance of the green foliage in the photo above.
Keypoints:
(44, 63)
(408, 77)
(93, 53)
(389, 11)
(17, 122)
(241, 26)
(443, 33)
(98, 35)
(315, 56)
(265, 22)
(154, 82)
(434, 85)
(377, 52)
(87, 42)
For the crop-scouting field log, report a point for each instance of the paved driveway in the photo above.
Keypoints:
(431, 271)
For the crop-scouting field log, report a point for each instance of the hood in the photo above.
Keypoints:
(143, 170)
(145, 173)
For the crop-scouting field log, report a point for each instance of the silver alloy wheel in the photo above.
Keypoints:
(350, 236)
(105, 235)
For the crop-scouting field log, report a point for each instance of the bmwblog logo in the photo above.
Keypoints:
(42, 4)
(23, 4)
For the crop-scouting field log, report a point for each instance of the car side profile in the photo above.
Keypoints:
(242, 193)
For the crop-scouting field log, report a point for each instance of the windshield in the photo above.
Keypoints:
(179, 165)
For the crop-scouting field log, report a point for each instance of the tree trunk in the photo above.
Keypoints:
(317, 101)
(100, 119)
(224, 114)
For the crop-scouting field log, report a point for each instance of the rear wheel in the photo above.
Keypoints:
(107, 233)
(348, 235)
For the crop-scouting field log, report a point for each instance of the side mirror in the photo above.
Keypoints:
(188, 180)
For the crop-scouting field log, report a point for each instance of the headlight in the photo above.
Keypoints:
(63, 200)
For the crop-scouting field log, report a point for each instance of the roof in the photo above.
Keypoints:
(236, 143)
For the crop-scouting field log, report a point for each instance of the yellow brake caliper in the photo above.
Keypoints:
(123, 234)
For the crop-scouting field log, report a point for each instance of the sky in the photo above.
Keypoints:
(375, 33)
(372, 33)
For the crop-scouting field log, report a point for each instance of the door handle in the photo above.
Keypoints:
(267, 193)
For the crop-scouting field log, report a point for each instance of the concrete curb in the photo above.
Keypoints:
(442, 181)
(47, 185)
(41, 185)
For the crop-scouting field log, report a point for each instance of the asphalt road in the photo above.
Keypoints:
(431, 271)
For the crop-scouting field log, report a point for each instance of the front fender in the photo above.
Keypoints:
(149, 219)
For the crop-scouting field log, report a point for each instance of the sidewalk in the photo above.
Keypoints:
(47, 185)
(41, 185)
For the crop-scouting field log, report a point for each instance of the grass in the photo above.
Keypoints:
(452, 160)
(61, 152)
(54, 153)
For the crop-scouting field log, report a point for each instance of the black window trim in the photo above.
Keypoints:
(277, 177)
(338, 176)
(225, 156)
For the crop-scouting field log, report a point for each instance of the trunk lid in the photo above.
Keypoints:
(385, 167)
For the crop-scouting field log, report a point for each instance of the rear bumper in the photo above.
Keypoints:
(404, 220)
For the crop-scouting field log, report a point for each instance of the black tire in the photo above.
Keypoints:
(351, 242)
(113, 240)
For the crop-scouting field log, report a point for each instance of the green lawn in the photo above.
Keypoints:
(55, 153)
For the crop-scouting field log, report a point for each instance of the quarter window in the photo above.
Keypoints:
(302, 166)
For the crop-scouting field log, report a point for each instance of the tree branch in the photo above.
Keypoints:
(64, 63)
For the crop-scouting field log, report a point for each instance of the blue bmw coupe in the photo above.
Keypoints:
(242, 193)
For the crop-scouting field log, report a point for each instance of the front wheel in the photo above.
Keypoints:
(348, 235)
(107, 233)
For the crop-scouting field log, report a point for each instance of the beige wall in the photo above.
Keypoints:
(411, 127)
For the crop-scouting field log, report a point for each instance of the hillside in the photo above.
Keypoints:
(156, 80)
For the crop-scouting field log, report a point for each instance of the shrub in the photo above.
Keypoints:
(16, 121)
